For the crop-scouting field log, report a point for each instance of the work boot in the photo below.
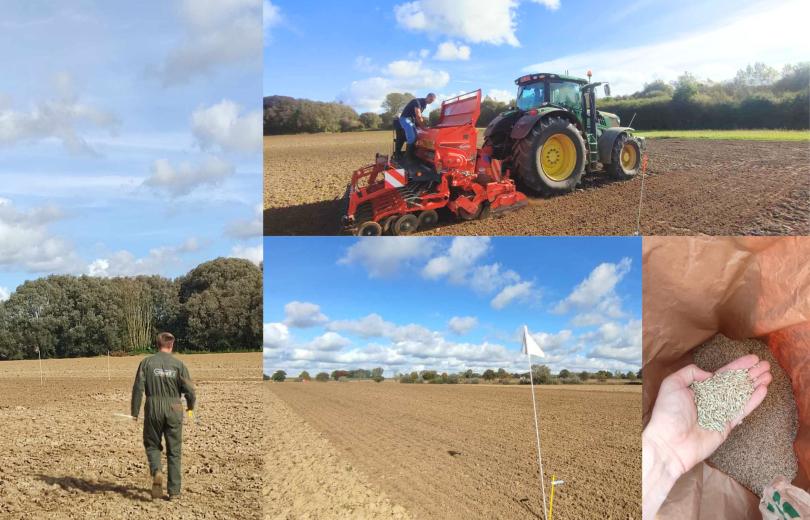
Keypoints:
(157, 485)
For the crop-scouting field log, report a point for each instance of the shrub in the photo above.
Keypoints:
(279, 376)
(304, 376)
(322, 376)
(378, 379)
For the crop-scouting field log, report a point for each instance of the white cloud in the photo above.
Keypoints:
(461, 255)
(226, 127)
(485, 279)
(246, 228)
(424, 53)
(501, 95)
(386, 256)
(551, 5)
(462, 324)
(254, 254)
(615, 341)
(185, 177)
(27, 244)
(276, 336)
(519, 291)
(450, 51)
(595, 297)
(369, 326)
(774, 33)
(367, 95)
(364, 63)
(553, 342)
(62, 118)
(303, 314)
(475, 21)
(159, 259)
(5, 293)
(217, 33)
(271, 15)
(329, 341)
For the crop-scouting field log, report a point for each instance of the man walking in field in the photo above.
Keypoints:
(164, 378)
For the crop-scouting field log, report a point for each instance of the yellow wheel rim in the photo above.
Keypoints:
(558, 157)
(629, 157)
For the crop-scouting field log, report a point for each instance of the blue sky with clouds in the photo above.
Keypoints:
(451, 303)
(357, 51)
(130, 136)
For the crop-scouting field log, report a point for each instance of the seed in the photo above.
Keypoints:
(721, 398)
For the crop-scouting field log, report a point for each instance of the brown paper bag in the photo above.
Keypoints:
(781, 501)
(744, 287)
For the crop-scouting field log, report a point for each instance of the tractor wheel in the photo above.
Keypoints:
(388, 223)
(625, 158)
(551, 159)
(406, 224)
(369, 229)
(427, 219)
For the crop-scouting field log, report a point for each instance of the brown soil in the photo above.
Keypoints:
(307, 480)
(65, 454)
(468, 451)
(693, 187)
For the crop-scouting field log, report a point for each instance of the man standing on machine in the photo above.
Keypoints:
(409, 119)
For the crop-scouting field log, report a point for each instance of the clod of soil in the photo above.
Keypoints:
(761, 448)
(721, 398)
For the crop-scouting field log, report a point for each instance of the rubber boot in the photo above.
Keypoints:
(157, 485)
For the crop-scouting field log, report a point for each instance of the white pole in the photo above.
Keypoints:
(39, 354)
(537, 433)
(108, 364)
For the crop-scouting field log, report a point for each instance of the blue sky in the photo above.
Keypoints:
(451, 303)
(357, 51)
(129, 136)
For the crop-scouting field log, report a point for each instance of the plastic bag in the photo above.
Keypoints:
(744, 287)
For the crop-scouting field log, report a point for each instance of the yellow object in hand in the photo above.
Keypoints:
(191, 414)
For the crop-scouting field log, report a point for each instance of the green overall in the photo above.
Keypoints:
(164, 378)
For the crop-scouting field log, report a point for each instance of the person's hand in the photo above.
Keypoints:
(673, 442)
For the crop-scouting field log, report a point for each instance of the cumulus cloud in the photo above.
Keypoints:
(182, 179)
(462, 254)
(254, 254)
(386, 256)
(595, 297)
(553, 342)
(27, 243)
(616, 341)
(226, 127)
(303, 314)
(516, 292)
(462, 324)
(504, 96)
(159, 259)
(485, 279)
(217, 33)
(271, 16)
(369, 326)
(62, 118)
(552, 5)
(450, 51)
(367, 95)
(276, 336)
(5, 293)
(246, 228)
(475, 21)
(329, 341)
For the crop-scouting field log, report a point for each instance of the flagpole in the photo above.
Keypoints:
(39, 354)
(537, 434)
(108, 364)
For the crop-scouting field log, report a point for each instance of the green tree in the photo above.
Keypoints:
(428, 375)
(322, 376)
(584, 376)
(564, 374)
(371, 120)
(304, 376)
(686, 87)
(279, 376)
(393, 105)
(489, 374)
(541, 374)
(377, 372)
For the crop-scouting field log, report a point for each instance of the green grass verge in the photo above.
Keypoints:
(743, 135)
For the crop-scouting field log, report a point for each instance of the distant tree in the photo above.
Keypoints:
(686, 87)
(490, 109)
(756, 75)
(639, 374)
(371, 120)
(378, 379)
(394, 103)
(377, 372)
(468, 374)
(279, 376)
(655, 88)
(434, 116)
(489, 374)
(584, 375)
(502, 374)
(414, 376)
(322, 376)
(541, 374)
(564, 373)
(427, 375)
(304, 376)
(630, 375)
(337, 374)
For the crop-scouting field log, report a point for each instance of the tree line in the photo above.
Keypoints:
(758, 96)
(541, 373)
(217, 306)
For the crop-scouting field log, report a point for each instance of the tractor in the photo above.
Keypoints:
(554, 135)
(400, 195)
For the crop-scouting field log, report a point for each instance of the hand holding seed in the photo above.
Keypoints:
(690, 432)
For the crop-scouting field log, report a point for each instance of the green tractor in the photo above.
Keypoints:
(554, 135)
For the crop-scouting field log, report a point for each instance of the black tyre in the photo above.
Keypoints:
(427, 219)
(369, 229)
(405, 225)
(551, 159)
(625, 158)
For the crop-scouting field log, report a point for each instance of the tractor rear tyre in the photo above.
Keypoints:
(427, 219)
(625, 157)
(551, 159)
(369, 229)
(406, 224)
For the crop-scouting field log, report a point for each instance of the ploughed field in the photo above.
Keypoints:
(65, 454)
(454, 451)
(713, 187)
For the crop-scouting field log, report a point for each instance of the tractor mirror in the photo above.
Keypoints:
(607, 89)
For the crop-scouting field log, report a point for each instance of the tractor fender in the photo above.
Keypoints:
(608, 139)
(529, 121)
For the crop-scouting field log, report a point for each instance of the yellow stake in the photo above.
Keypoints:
(551, 500)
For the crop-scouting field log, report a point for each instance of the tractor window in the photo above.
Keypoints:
(531, 96)
(565, 94)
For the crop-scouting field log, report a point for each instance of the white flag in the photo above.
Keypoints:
(530, 346)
